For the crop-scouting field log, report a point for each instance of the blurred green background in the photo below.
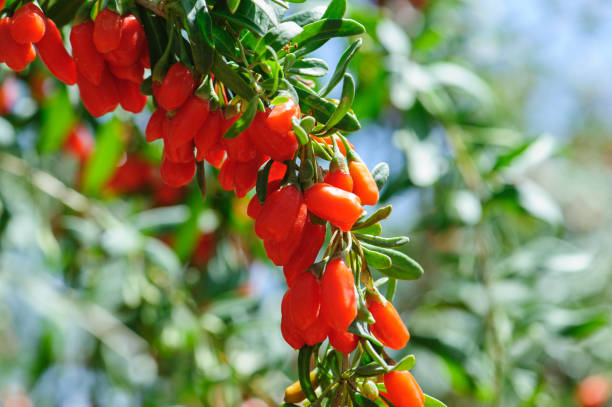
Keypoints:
(116, 290)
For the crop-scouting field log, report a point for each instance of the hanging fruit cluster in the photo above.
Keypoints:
(229, 86)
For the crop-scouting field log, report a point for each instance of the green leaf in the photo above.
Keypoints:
(244, 121)
(261, 187)
(57, 119)
(342, 66)
(101, 165)
(360, 401)
(248, 15)
(406, 363)
(335, 9)
(199, 26)
(383, 241)
(328, 28)
(380, 214)
(306, 17)
(278, 36)
(376, 259)
(322, 109)
(267, 9)
(300, 133)
(232, 5)
(304, 357)
(231, 79)
(309, 67)
(64, 11)
(371, 369)
(380, 173)
(403, 267)
(155, 30)
(374, 229)
(346, 101)
(224, 42)
(432, 402)
(586, 327)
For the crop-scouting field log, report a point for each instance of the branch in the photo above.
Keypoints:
(156, 6)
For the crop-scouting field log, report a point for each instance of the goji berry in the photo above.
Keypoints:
(89, 61)
(315, 332)
(279, 119)
(209, 134)
(245, 175)
(403, 390)
(278, 213)
(28, 24)
(310, 245)
(134, 174)
(364, 185)
(288, 329)
(279, 146)
(238, 148)
(132, 73)
(338, 300)
(329, 141)
(189, 119)
(305, 300)
(388, 328)
(131, 43)
(176, 87)
(281, 251)
(339, 179)
(254, 207)
(177, 174)
(154, 130)
(226, 175)
(343, 341)
(107, 31)
(98, 99)
(340, 207)
(145, 60)
(178, 153)
(16, 56)
(130, 97)
(215, 156)
(277, 171)
(54, 55)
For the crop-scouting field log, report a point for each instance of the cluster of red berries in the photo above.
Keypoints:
(110, 55)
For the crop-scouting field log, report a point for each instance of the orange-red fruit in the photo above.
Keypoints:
(28, 24)
(280, 146)
(403, 390)
(209, 134)
(593, 391)
(54, 55)
(131, 43)
(338, 300)
(277, 171)
(238, 148)
(281, 251)
(215, 157)
(16, 56)
(340, 179)
(254, 207)
(98, 99)
(154, 130)
(226, 175)
(176, 87)
(288, 329)
(388, 328)
(80, 142)
(245, 175)
(88, 60)
(178, 153)
(107, 31)
(278, 214)
(177, 174)
(188, 120)
(279, 119)
(305, 300)
(309, 247)
(343, 341)
(315, 332)
(364, 185)
(132, 73)
(130, 97)
(340, 207)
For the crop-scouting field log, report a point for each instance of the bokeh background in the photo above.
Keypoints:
(116, 290)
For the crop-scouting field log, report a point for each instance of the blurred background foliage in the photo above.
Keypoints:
(116, 290)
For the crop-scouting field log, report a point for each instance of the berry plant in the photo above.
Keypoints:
(231, 82)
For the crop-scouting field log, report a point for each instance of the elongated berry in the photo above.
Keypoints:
(364, 185)
(132, 42)
(281, 251)
(132, 73)
(107, 31)
(178, 153)
(305, 300)
(315, 332)
(338, 300)
(340, 207)
(290, 332)
(309, 247)
(154, 130)
(177, 174)
(254, 208)
(403, 390)
(388, 328)
(245, 175)
(28, 24)
(209, 134)
(16, 56)
(130, 97)
(278, 213)
(226, 175)
(279, 146)
(189, 119)
(343, 341)
(53, 53)
(88, 60)
(177, 86)
(98, 99)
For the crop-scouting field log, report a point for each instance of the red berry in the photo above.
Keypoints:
(338, 299)
(177, 174)
(388, 328)
(130, 97)
(305, 300)
(309, 247)
(28, 24)
(53, 53)
(343, 341)
(403, 390)
(278, 213)
(107, 31)
(176, 87)
(89, 61)
(131, 43)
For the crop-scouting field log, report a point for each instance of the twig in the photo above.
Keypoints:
(156, 6)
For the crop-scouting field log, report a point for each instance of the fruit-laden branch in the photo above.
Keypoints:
(156, 6)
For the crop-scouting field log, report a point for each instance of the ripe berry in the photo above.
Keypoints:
(309, 247)
(288, 329)
(130, 97)
(336, 205)
(154, 130)
(176, 87)
(16, 56)
(209, 134)
(28, 24)
(338, 300)
(54, 55)
(364, 185)
(403, 390)
(177, 174)
(281, 251)
(343, 341)
(304, 302)
(89, 61)
(107, 31)
(131, 43)
(189, 119)
(388, 328)
(98, 99)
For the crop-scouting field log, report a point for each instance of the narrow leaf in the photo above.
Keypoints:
(383, 241)
(403, 267)
(244, 121)
(323, 109)
(304, 357)
(328, 28)
(380, 214)
(377, 260)
(232, 5)
(406, 363)
(380, 173)
(432, 402)
(309, 67)
(346, 101)
(231, 79)
(261, 188)
(342, 66)
(57, 119)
